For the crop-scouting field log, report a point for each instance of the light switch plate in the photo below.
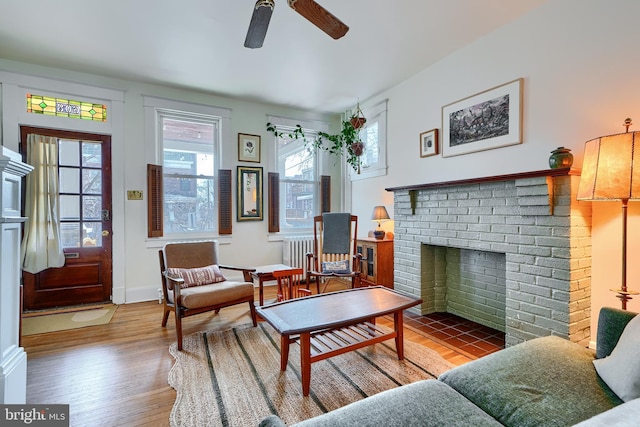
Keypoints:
(134, 194)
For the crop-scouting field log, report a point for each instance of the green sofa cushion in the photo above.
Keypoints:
(427, 403)
(546, 381)
(611, 323)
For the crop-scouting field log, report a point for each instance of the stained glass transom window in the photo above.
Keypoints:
(60, 107)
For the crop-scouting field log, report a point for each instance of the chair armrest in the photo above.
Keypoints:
(246, 272)
(174, 284)
(357, 262)
(172, 281)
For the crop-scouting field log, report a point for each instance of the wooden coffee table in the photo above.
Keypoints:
(330, 324)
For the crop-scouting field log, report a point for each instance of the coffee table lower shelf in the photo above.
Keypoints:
(320, 345)
(325, 344)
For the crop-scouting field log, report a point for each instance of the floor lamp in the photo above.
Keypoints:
(608, 173)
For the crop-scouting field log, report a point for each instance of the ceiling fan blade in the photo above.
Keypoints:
(320, 17)
(259, 23)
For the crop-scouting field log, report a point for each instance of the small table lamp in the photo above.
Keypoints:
(608, 173)
(379, 214)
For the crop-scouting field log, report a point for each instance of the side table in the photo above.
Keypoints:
(264, 273)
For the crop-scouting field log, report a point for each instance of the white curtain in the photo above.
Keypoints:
(41, 245)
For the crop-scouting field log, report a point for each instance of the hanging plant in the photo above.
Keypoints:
(346, 143)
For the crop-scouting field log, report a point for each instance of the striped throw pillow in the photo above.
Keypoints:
(197, 276)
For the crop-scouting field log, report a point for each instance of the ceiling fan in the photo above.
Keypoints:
(316, 14)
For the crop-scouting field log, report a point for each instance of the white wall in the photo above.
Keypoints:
(136, 271)
(581, 81)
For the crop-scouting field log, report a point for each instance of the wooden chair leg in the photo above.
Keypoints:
(254, 318)
(165, 317)
(179, 329)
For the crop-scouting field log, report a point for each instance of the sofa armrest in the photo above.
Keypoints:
(611, 323)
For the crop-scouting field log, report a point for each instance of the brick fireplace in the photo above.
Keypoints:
(512, 252)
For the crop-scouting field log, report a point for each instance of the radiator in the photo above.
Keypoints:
(295, 249)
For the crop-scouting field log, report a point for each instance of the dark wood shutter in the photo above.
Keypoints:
(274, 202)
(225, 222)
(325, 193)
(155, 193)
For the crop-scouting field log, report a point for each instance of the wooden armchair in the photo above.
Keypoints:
(192, 282)
(334, 249)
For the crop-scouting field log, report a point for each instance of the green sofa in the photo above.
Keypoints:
(546, 381)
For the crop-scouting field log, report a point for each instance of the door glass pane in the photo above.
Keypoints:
(92, 208)
(91, 181)
(69, 153)
(70, 234)
(92, 232)
(91, 154)
(69, 207)
(69, 180)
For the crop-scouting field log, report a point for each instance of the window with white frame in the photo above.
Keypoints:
(373, 161)
(185, 139)
(189, 163)
(297, 165)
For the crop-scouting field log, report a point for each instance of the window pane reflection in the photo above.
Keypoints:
(92, 154)
(92, 208)
(91, 181)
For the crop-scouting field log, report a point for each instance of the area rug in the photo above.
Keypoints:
(40, 324)
(233, 377)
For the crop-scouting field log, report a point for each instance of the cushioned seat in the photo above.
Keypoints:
(208, 295)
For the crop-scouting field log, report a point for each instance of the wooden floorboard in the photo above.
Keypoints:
(116, 374)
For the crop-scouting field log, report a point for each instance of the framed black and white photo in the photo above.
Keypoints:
(429, 143)
(248, 148)
(487, 120)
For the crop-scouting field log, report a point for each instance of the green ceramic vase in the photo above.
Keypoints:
(560, 158)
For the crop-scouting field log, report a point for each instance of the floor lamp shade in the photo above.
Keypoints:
(608, 173)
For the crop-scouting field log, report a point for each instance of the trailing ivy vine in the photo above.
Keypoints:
(344, 143)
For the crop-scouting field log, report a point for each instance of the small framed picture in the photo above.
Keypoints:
(248, 148)
(429, 143)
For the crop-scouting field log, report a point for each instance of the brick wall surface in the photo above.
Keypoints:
(535, 224)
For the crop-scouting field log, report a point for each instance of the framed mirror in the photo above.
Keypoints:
(249, 193)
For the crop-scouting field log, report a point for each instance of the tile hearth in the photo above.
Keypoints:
(465, 335)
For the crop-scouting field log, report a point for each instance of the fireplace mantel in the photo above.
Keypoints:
(495, 178)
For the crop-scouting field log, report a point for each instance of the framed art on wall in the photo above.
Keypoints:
(487, 120)
(248, 148)
(249, 193)
(429, 143)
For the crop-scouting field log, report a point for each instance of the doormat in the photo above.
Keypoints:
(41, 324)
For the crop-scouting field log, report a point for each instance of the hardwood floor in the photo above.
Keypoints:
(116, 374)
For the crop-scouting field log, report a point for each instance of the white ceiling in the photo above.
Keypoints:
(198, 44)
